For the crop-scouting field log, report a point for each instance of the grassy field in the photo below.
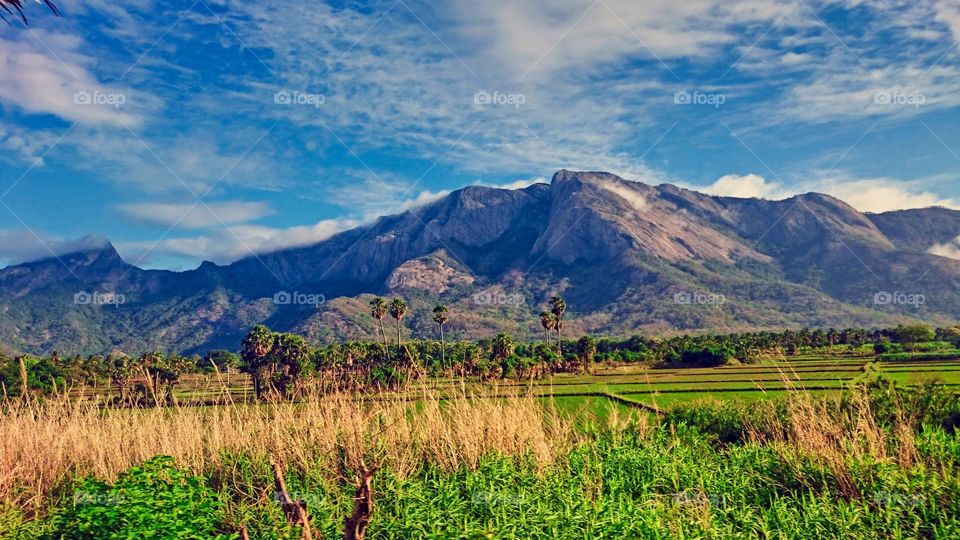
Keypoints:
(814, 373)
(776, 450)
(595, 395)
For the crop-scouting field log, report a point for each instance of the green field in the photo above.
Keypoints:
(656, 387)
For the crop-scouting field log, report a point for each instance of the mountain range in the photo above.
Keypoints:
(628, 258)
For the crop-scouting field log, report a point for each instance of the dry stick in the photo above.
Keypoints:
(356, 524)
(23, 378)
(296, 511)
(223, 389)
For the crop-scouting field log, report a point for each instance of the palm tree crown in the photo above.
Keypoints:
(15, 7)
(398, 308)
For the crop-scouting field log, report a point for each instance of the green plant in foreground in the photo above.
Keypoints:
(153, 500)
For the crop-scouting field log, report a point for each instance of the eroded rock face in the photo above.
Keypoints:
(599, 216)
(429, 274)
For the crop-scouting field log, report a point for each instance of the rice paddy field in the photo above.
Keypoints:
(653, 387)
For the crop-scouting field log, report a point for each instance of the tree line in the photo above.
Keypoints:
(286, 364)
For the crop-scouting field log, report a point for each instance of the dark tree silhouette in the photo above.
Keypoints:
(15, 8)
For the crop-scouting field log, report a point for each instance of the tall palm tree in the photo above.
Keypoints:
(378, 308)
(398, 308)
(547, 322)
(501, 348)
(558, 307)
(255, 354)
(15, 7)
(440, 317)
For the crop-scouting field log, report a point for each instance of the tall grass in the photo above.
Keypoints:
(864, 465)
(43, 445)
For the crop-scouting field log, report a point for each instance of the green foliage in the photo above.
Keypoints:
(43, 375)
(223, 360)
(153, 500)
(711, 355)
(914, 333)
(501, 348)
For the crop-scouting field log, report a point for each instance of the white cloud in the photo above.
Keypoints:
(38, 80)
(895, 91)
(866, 195)
(882, 194)
(517, 184)
(744, 186)
(950, 250)
(195, 216)
(638, 201)
(19, 246)
(542, 37)
(948, 13)
(229, 244)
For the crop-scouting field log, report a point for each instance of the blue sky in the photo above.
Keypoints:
(195, 130)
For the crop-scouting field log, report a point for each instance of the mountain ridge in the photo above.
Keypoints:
(624, 253)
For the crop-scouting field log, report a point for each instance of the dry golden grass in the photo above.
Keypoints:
(42, 445)
(836, 437)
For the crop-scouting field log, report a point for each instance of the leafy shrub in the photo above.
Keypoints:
(153, 500)
(712, 355)
(726, 422)
(905, 356)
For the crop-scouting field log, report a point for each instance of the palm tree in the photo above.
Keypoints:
(500, 349)
(378, 308)
(558, 307)
(15, 7)
(255, 354)
(398, 308)
(586, 350)
(440, 317)
(548, 324)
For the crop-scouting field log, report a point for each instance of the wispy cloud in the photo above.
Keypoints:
(195, 215)
(865, 194)
(18, 246)
(234, 242)
(47, 75)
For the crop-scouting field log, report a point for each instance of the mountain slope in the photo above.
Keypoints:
(628, 257)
